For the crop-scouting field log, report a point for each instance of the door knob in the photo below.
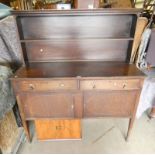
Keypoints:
(41, 50)
(31, 86)
(94, 86)
(62, 85)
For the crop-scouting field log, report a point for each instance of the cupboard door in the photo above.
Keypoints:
(52, 105)
(109, 103)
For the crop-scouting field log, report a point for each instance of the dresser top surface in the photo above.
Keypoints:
(78, 69)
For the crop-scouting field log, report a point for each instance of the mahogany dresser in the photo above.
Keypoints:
(77, 65)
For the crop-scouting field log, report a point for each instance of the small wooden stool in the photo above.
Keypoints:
(58, 129)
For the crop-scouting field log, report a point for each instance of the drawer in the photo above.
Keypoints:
(47, 85)
(48, 105)
(109, 84)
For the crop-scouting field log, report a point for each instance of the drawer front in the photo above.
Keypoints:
(109, 103)
(47, 85)
(52, 105)
(109, 84)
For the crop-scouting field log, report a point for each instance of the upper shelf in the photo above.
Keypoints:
(98, 34)
(66, 27)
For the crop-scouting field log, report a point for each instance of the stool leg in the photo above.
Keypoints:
(152, 113)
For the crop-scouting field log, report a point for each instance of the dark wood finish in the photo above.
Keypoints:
(52, 105)
(78, 12)
(60, 27)
(87, 69)
(48, 85)
(133, 114)
(113, 84)
(88, 96)
(77, 35)
(78, 105)
(77, 65)
(109, 103)
(22, 114)
(82, 49)
(56, 105)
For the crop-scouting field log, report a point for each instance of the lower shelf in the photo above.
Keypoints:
(58, 129)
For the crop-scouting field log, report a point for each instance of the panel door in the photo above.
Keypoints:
(109, 103)
(48, 105)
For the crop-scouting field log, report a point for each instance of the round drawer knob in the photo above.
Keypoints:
(31, 86)
(72, 106)
(41, 50)
(94, 86)
(115, 84)
(124, 85)
(62, 85)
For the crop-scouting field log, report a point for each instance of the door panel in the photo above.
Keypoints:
(109, 103)
(52, 105)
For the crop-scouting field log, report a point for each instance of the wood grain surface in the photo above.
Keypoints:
(62, 129)
(78, 69)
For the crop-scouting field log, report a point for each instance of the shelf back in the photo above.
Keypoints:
(88, 35)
